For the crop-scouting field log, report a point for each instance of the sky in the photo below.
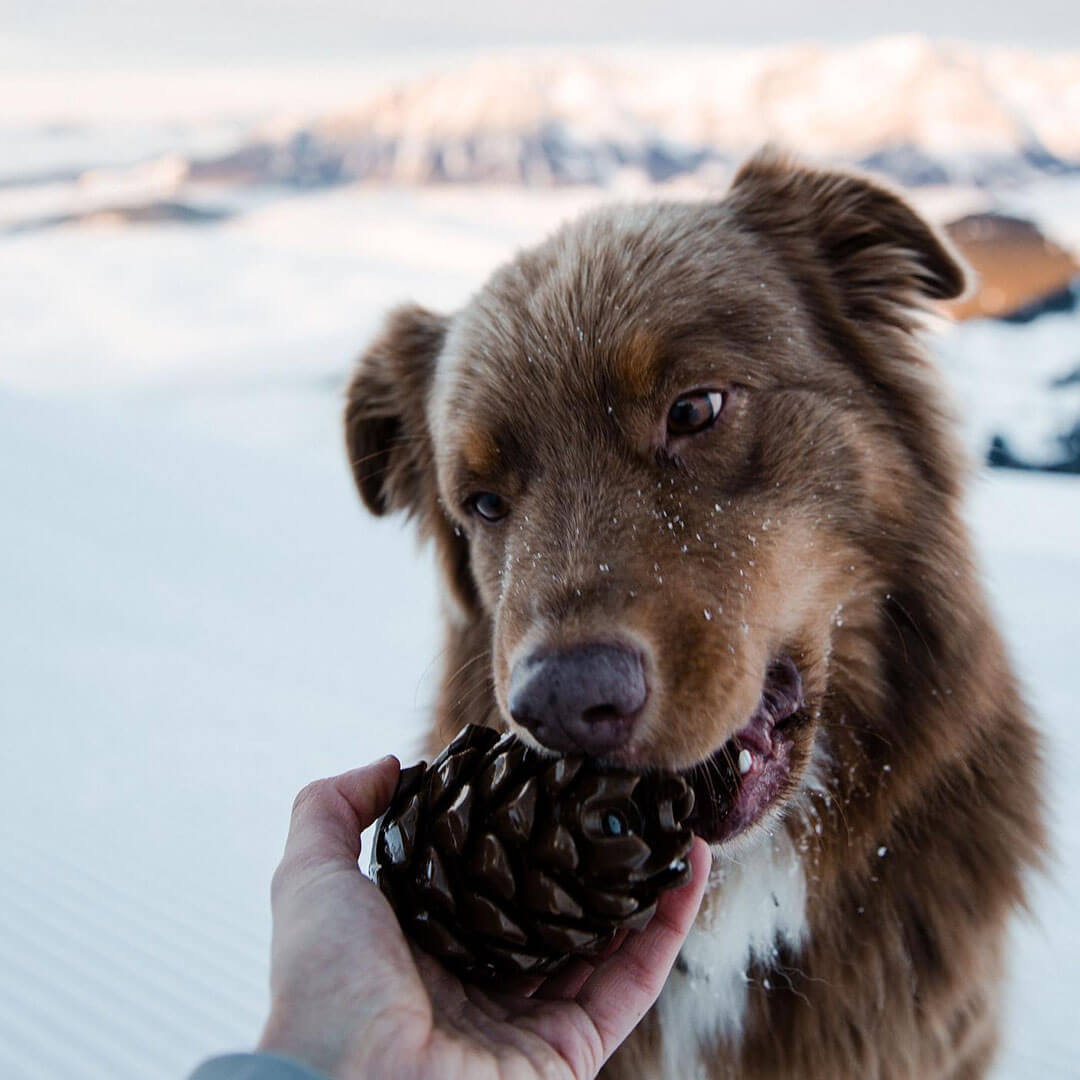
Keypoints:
(56, 34)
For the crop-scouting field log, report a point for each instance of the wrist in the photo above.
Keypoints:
(312, 1044)
(343, 1047)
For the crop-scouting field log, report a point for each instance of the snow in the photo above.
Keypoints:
(199, 618)
(164, 695)
(1029, 532)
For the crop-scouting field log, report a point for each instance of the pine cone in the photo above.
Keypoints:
(500, 860)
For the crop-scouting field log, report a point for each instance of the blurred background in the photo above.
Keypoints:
(204, 210)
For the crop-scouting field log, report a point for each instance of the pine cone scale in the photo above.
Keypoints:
(557, 848)
(435, 882)
(546, 896)
(489, 919)
(451, 828)
(514, 819)
(612, 905)
(491, 864)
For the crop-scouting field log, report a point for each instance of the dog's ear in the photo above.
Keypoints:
(388, 440)
(386, 433)
(880, 251)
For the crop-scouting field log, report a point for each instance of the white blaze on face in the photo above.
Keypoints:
(754, 903)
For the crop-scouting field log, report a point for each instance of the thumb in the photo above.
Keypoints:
(329, 815)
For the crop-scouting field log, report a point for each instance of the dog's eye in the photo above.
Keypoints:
(694, 412)
(489, 506)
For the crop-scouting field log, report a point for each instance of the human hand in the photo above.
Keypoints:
(353, 999)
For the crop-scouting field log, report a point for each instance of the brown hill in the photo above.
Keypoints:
(1017, 265)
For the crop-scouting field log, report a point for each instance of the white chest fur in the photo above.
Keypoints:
(755, 901)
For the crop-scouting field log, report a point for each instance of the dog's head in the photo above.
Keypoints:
(661, 456)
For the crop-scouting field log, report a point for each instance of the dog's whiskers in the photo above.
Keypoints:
(483, 655)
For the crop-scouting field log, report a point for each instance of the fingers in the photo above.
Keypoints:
(623, 988)
(567, 983)
(329, 815)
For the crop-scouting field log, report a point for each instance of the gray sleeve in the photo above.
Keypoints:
(253, 1067)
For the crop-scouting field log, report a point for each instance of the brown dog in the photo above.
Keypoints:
(697, 506)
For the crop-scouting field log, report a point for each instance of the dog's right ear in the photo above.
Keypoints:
(389, 444)
(385, 418)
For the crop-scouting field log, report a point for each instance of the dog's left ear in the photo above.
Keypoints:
(880, 251)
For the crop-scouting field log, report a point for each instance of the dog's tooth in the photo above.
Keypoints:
(746, 761)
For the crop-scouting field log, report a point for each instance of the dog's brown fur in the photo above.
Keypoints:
(820, 517)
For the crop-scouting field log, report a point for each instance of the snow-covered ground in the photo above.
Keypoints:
(198, 617)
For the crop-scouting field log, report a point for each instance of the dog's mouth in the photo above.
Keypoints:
(736, 786)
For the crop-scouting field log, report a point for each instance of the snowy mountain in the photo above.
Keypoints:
(922, 111)
(929, 114)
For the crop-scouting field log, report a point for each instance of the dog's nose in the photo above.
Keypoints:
(583, 699)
